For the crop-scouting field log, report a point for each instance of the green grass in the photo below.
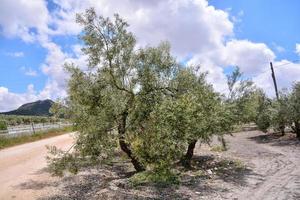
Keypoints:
(161, 178)
(218, 148)
(9, 142)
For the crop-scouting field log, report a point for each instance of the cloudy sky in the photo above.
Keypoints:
(37, 37)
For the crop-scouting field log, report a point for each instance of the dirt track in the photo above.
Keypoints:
(275, 162)
(23, 163)
(272, 172)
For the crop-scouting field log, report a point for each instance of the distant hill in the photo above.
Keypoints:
(38, 108)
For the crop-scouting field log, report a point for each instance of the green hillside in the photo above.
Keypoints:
(38, 108)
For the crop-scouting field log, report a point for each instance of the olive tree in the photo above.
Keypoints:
(3, 125)
(60, 109)
(139, 99)
(242, 98)
(294, 108)
(264, 111)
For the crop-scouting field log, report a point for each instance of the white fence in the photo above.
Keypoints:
(15, 131)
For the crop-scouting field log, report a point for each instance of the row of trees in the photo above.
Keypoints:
(281, 113)
(13, 120)
(250, 104)
(142, 101)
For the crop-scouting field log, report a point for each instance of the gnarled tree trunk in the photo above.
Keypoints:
(186, 160)
(125, 146)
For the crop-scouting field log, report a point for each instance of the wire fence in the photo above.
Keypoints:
(21, 130)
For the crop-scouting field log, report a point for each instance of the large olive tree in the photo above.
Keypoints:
(138, 99)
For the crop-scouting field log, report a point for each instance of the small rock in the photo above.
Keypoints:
(209, 172)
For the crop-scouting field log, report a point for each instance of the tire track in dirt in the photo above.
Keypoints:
(276, 167)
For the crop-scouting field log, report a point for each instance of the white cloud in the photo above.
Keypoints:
(15, 54)
(10, 100)
(29, 71)
(238, 18)
(20, 18)
(278, 48)
(252, 58)
(203, 29)
(54, 69)
(193, 27)
(298, 49)
(286, 73)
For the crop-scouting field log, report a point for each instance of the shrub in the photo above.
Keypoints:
(3, 125)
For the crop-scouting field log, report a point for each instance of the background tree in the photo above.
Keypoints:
(294, 108)
(264, 112)
(242, 97)
(60, 109)
(3, 125)
(280, 115)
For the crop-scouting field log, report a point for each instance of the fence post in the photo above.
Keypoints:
(32, 128)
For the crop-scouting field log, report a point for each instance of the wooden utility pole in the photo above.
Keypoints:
(274, 80)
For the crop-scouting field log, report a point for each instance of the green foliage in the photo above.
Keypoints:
(281, 113)
(61, 161)
(264, 112)
(14, 120)
(3, 125)
(263, 122)
(294, 103)
(161, 178)
(294, 108)
(60, 109)
(140, 100)
(218, 148)
(242, 98)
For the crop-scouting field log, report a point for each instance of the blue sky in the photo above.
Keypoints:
(273, 22)
(216, 34)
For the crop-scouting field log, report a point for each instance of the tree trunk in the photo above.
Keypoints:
(186, 160)
(297, 129)
(125, 146)
(282, 127)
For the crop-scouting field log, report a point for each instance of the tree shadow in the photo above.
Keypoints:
(231, 171)
(36, 185)
(113, 182)
(289, 139)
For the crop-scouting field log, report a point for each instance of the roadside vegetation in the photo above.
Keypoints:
(13, 141)
(14, 120)
(3, 125)
(140, 101)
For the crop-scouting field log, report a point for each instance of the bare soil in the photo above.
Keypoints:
(24, 165)
(256, 166)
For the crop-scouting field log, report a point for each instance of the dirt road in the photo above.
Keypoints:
(275, 162)
(272, 172)
(21, 164)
